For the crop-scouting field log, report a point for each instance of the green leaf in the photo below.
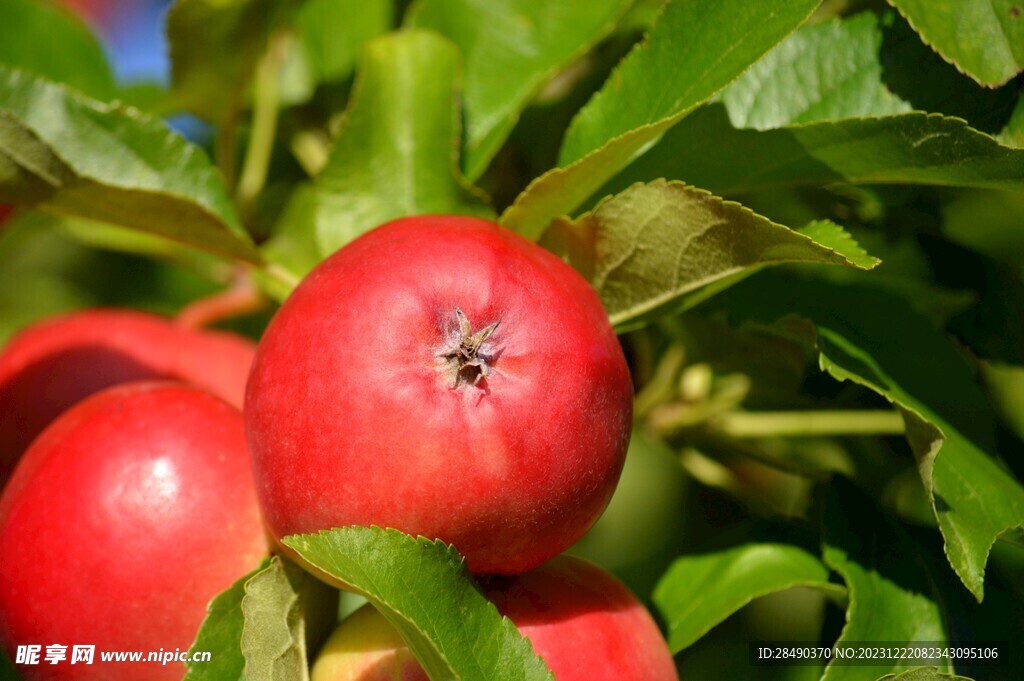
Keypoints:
(1013, 134)
(425, 591)
(987, 222)
(653, 245)
(73, 156)
(220, 635)
(293, 245)
(511, 49)
(701, 591)
(983, 38)
(877, 340)
(916, 74)
(832, 236)
(38, 269)
(865, 65)
(892, 596)
(694, 50)
(923, 674)
(912, 148)
(214, 46)
(825, 70)
(334, 31)
(1005, 386)
(49, 40)
(288, 613)
(396, 154)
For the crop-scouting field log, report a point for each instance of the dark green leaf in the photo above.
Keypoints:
(916, 74)
(214, 46)
(694, 50)
(73, 156)
(866, 65)
(1013, 134)
(652, 245)
(825, 70)
(424, 589)
(333, 32)
(892, 596)
(287, 612)
(984, 38)
(913, 148)
(47, 39)
(878, 340)
(293, 245)
(397, 153)
(511, 49)
(700, 591)
(221, 635)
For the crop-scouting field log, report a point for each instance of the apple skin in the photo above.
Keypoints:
(121, 522)
(353, 418)
(49, 366)
(583, 622)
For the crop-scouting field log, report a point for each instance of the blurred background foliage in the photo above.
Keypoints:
(699, 476)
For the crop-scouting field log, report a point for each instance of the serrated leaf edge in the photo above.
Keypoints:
(448, 549)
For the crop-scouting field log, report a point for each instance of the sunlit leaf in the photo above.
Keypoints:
(702, 590)
(984, 38)
(287, 613)
(912, 148)
(825, 70)
(70, 155)
(694, 50)
(510, 50)
(397, 152)
(221, 635)
(424, 589)
(653, 245)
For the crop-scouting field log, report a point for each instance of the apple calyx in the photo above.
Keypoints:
(466, 356)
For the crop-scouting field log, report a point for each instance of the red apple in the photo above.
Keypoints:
(445, 377)
(50, 366)
(583, 622)
(120, 523)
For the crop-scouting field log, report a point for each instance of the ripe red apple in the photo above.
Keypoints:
(120, 523)
(582, 621)
(448, 378)
(51, 365)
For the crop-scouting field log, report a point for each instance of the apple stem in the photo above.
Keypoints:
(741, 424)
(466, 355)
(241, 298)
(264, 123)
